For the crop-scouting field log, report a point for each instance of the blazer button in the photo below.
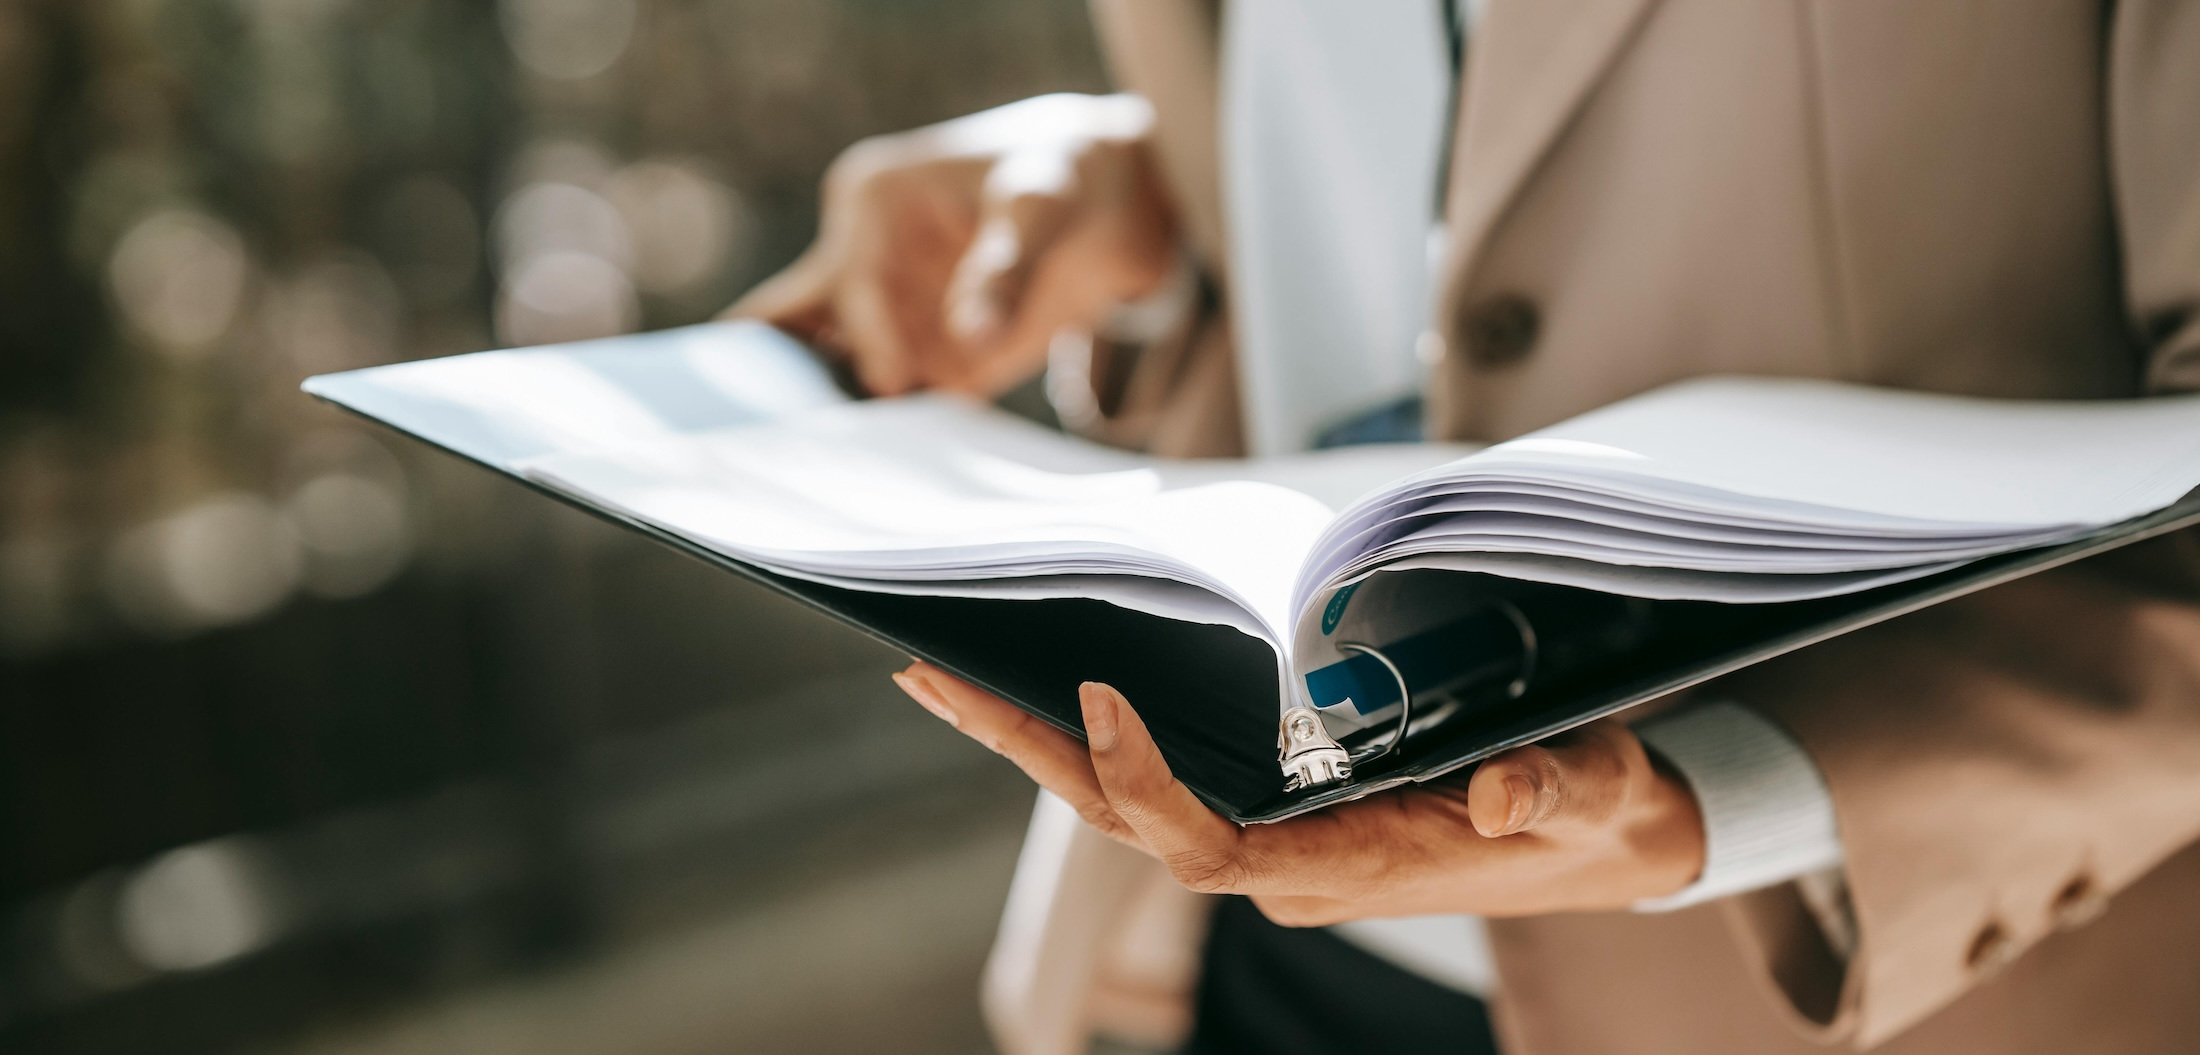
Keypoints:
(2079, 902)
(1501, 330)
(1991, 950)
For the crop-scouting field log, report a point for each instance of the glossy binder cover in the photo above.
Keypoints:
(1208, 692)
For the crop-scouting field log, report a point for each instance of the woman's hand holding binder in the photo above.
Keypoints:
(1582, 821)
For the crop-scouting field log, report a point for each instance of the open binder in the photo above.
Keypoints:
(1464, 606)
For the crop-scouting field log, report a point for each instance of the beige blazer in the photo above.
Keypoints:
(1998, 198)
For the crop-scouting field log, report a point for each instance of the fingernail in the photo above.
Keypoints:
(1520, 795)
(1099, 702)
(927, 697)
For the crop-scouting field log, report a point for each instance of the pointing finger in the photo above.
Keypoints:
(797, 299)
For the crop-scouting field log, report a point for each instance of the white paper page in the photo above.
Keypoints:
(1763, 477)
(1739, 560)
(1882, 452)
(935, 485)
(620, 392)
(1521, 512)
(1140, 593)
(1584, 514)
(1336, 478)
(1663, 584)
(1510, 531)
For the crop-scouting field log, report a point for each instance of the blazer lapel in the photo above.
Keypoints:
(1530, 65)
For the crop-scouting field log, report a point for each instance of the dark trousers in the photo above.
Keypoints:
(1277, 991)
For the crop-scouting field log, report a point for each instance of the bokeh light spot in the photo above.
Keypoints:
(179, 277)
(568, 39)
(198, 906)
(683, 223)
(549, 217)
(337, 313)
(565, 296)
(226, 559)
(354, 531)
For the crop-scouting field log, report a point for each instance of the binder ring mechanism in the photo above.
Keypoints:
(1312, 758)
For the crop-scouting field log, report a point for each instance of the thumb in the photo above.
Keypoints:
(1025, 207)
(1202, 849)
(1581, 775)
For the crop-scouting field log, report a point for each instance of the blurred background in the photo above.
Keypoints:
(312, 740)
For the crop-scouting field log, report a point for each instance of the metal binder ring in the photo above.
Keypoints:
(1529, 653)
(1529, 649)
(1405, 702)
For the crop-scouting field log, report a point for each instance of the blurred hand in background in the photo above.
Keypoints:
(949, 256)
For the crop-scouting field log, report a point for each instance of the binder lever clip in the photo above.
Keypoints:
(1310, 756)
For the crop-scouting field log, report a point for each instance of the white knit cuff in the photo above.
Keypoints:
(1767, 816)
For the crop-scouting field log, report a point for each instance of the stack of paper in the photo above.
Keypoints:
(941, 496)
(1760, 489)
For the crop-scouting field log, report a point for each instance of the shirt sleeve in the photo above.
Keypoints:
(1767, 815)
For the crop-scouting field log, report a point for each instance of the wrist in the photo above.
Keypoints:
(1668, 841)
(1765, 810)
